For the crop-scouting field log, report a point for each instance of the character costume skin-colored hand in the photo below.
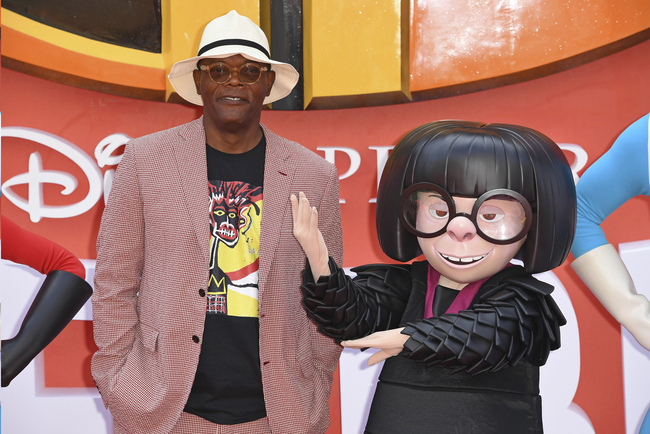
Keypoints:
(63, 292)
(619, 175)
(159, 248)
(470, 329)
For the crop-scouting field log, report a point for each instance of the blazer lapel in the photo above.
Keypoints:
(278, 181)
(191, 162)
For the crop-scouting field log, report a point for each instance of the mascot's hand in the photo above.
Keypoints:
(305, 229)
(389, 342)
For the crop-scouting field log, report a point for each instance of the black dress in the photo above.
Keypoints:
(472, 372)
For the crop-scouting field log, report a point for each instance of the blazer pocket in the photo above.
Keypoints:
(149, 337)
(141, 383)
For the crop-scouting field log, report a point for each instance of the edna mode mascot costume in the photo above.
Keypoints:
(468, 329)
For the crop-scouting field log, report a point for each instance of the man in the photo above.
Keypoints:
(197, 307)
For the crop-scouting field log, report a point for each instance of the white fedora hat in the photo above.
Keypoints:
(229, 35)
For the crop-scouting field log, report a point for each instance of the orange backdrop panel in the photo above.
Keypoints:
(469, 40)
(15, 45)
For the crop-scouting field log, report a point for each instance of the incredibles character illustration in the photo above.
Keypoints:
(616, 177)
(463, 333)
(63, 292)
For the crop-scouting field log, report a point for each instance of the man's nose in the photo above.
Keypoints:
(234, 77)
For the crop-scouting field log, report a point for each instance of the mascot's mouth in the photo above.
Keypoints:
(463, 261)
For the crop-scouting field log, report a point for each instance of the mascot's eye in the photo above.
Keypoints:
(491, 217)
(232, 215)
(491, 214)
(220, 212)
(439, 210)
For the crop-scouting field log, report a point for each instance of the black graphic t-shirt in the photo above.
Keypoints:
(227, 387)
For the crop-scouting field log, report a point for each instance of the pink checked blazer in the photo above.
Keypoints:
(152, 268)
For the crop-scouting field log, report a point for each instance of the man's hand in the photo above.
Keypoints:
(389, 342)
(305, 229)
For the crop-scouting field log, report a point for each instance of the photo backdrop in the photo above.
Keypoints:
(62, 143)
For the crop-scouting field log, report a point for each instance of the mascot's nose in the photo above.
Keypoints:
(461, 228)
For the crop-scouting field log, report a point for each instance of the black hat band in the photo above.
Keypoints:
(244, 42)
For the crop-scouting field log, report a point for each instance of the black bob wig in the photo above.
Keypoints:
(470, 158)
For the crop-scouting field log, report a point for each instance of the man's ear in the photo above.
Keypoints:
(197, 80)
(270, 77)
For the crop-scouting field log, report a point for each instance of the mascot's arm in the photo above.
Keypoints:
(515, 318)
(346, 308)
(343, 308)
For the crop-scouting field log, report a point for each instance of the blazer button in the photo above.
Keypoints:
(195, 338)
(202, 292)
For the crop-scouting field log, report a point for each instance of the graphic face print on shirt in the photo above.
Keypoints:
(235, 217)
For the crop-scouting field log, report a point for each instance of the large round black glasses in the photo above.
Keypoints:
(501, 216)
(220, 73)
